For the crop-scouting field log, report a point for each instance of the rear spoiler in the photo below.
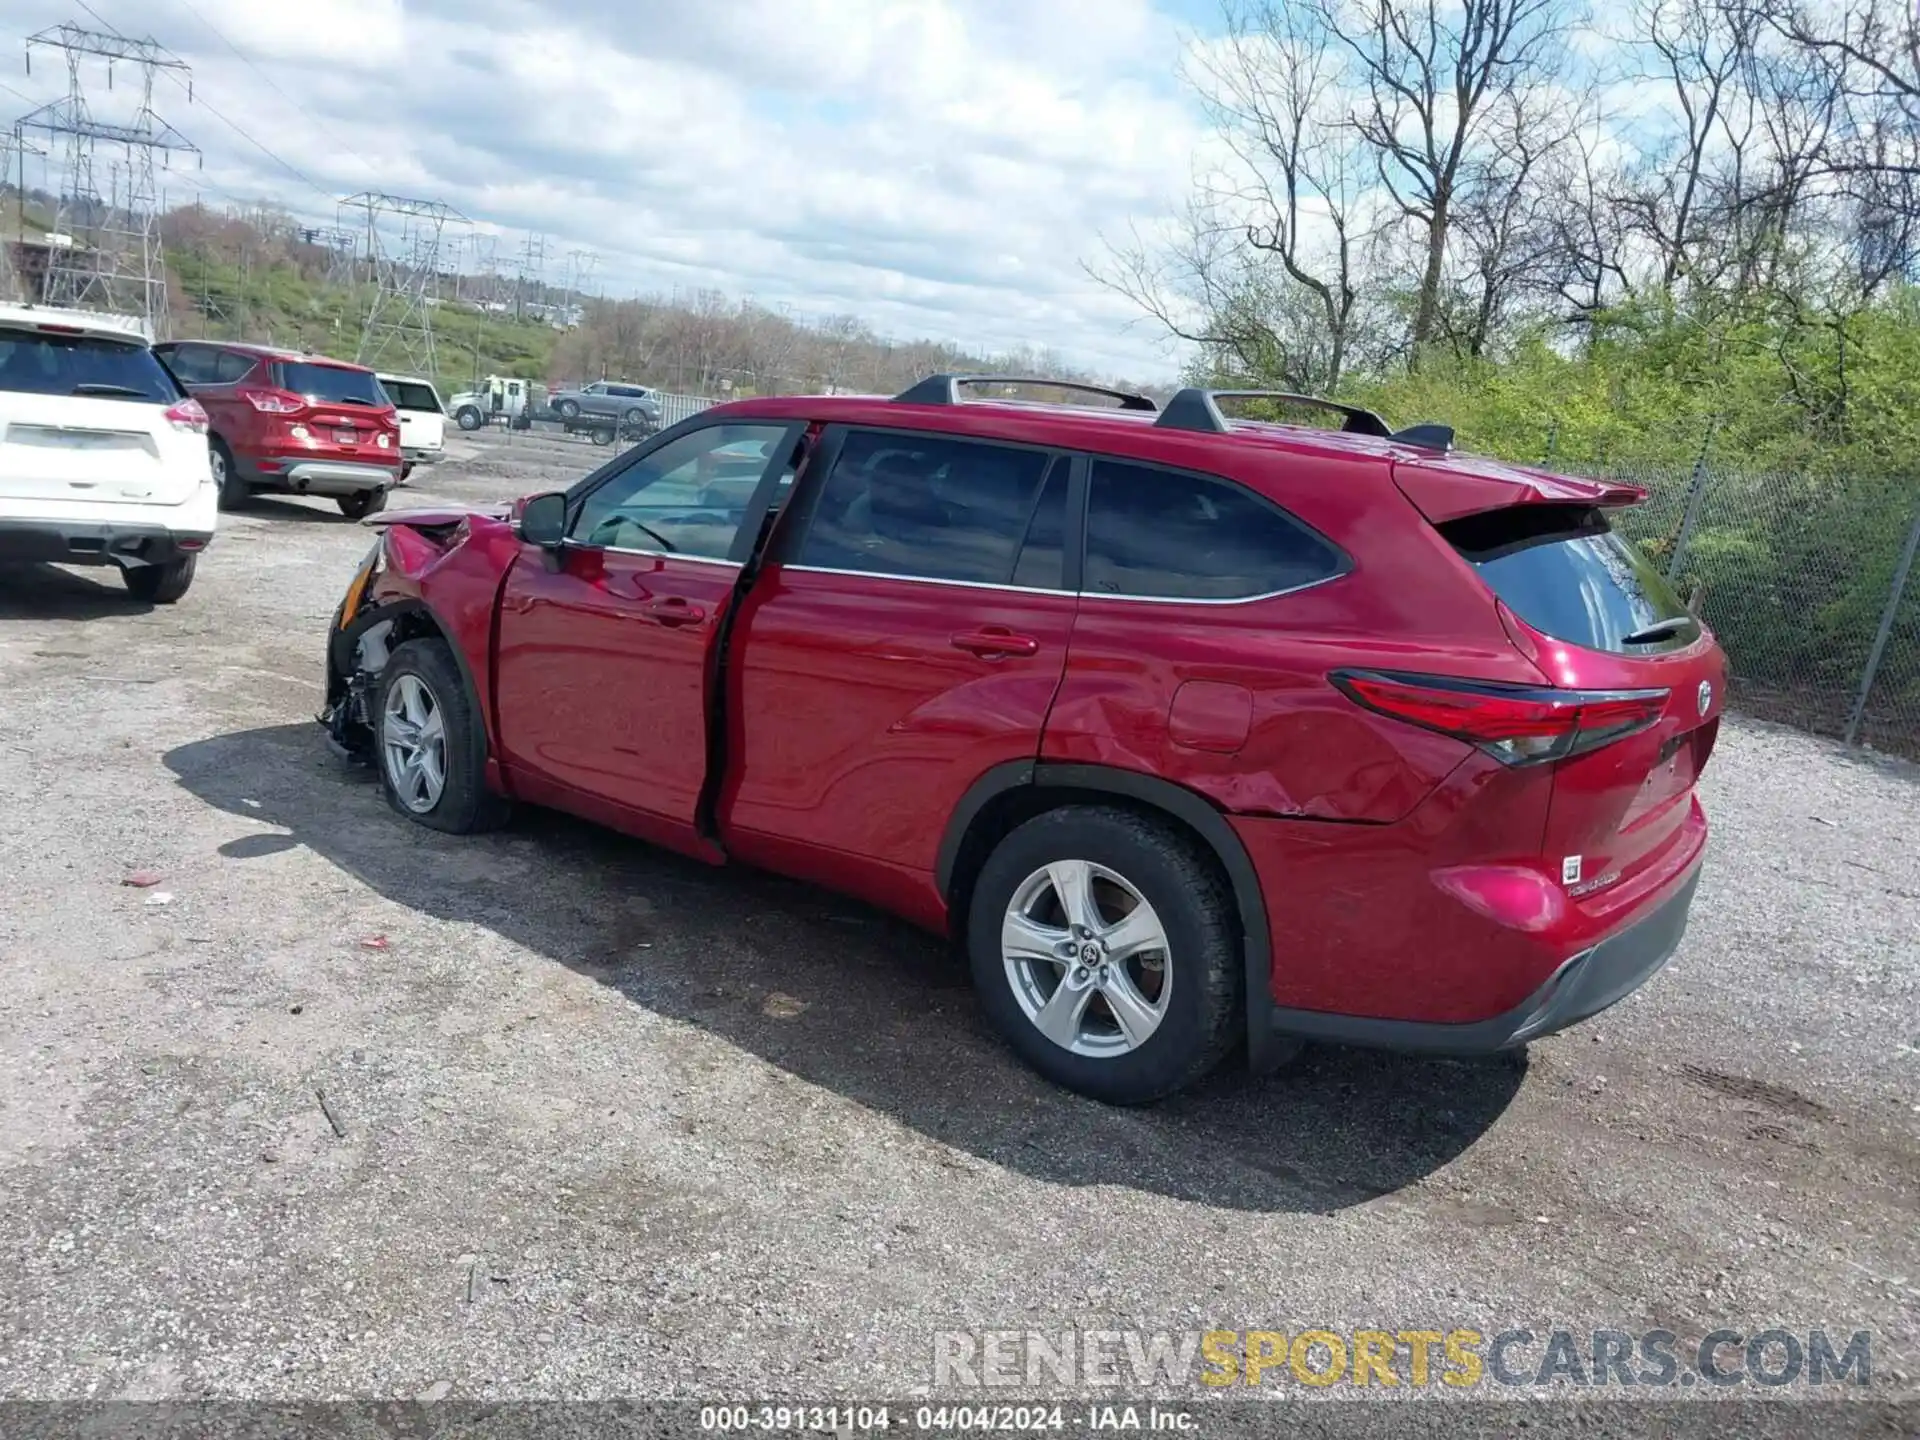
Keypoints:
(1456, 487)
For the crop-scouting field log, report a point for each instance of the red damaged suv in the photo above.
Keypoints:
(1193, 731)
(291, 423)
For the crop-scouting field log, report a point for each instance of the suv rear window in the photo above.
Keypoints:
(35, 363)
(409, 396)
(1564, 571)
(332, 384)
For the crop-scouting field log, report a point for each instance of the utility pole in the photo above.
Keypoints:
(118, 265)
(406, 267)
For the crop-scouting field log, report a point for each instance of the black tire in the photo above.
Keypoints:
(635, 417)
(568, 409)
(159, 584)
(465, 805)
(468, 418)
(1203, 962)
(603, 436)
(234, 493)
(361, 503)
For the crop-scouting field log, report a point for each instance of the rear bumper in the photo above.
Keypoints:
(298, 476)
(1581, 988)
(421, 454)
(79, 542)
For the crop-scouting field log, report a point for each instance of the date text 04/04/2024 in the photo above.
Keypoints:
(943, 1419)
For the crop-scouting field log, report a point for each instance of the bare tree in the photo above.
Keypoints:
(1433, 75)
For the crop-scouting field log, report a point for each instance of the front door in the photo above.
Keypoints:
(909, 638)
(603, 671)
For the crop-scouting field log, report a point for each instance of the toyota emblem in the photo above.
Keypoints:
(1703, 699)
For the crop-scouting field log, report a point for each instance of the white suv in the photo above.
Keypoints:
(103, 459)
(423, 420)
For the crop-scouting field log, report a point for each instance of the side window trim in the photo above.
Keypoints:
(1343, 562)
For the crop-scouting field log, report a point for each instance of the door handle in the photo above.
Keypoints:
(674, 610)
(994, 642)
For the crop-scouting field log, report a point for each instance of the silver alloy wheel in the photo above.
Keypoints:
(1087, 958)
(413, 742)
(219, 464)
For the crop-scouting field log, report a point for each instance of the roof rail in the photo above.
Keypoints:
(945, 389)
(1195, 409)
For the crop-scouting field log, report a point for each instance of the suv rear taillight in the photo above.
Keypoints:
(274, 402)
(1516, 724)
(188, 415)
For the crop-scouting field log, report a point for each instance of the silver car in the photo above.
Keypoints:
(632, 406)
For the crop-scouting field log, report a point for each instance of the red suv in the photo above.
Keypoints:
(1192, 731)
(292, 423)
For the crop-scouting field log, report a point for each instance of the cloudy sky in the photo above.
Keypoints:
(938, 167)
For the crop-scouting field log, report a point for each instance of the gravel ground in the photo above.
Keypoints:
(618, 1125)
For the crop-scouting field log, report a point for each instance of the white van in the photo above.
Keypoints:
(103, 457)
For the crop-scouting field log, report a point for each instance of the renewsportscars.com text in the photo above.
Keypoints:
(1414, 1358)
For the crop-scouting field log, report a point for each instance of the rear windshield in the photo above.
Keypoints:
(409, 396)
(35, 363)
(1565, 572)
(332, 384)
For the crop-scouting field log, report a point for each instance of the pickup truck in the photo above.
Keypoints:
(633, 407)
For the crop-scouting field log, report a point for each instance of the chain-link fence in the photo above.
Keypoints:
(1810, 583)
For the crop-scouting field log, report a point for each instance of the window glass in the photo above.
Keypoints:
(1043, 555)
(332, 384)
(35, 363)
(925, 507)
(686, 498)
(1167, 534)
(193, 364)
(231, 366)
(411, 395)
(1569, 575)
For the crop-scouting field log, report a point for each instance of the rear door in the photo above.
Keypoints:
(83, 419)
(603, 678)
(910, 637)
(1600, 617)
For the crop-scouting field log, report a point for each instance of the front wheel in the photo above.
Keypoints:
(1104, 947)
(431, 748)
(362, 503)
(159, 584)
(468, 418)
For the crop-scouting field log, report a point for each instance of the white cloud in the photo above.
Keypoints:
(938, 167)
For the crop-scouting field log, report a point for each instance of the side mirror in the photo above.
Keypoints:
(543, 520)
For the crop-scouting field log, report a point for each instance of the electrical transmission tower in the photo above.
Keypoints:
(533, 266)
(405, 259)
(14, 149)
(112, 257)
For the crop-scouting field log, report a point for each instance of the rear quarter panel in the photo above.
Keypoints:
(1157, 687)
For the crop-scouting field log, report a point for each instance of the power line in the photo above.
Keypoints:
(279, 160)
(271, 84)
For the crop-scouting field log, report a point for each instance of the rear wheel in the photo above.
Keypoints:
(1104, 948)
(603, 436)
(159, 584)
(362, 503)
(431, 747)
(233, 490)
(568, 409)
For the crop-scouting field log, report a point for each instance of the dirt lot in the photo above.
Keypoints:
(620, 1125)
